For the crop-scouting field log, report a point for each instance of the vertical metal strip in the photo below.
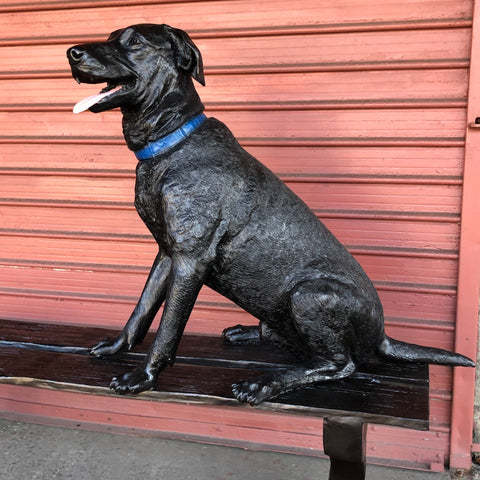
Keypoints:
(469, 269)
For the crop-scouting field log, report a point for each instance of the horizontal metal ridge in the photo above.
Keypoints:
(428, 289)
(418, 323)
(373, 250)
(367, 65)
(111, 205)
(444, 217)
(361, 104)
(436, 289)
(64, 5)
(422, 216)
(256, 141)
(58, 234)
(417, 287)
(287, 177)
(354, 141)
(267, 30)
(70, 172)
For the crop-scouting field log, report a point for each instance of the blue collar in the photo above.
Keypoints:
(170, 140)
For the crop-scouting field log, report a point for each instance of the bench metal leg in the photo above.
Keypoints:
(344, 441)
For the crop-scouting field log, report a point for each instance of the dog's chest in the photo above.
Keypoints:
(149, 199)
(170, 199)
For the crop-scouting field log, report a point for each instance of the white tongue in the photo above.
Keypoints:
(86, 103)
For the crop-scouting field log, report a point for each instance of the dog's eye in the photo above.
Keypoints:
(134, 41)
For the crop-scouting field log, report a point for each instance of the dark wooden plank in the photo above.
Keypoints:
(374, 401)
(191, 347)
(383, 393)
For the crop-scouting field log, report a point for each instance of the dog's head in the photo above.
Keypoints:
(138, 63)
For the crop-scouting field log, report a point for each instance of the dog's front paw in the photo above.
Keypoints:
(134, 382)
(109, 346)
(254, 391)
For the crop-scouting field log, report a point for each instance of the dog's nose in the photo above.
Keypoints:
(75, 54)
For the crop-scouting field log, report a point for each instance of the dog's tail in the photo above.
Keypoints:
(409, 352)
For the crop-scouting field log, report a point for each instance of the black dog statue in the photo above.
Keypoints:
(223, 219)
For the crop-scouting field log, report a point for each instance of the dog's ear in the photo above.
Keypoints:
(188, 55)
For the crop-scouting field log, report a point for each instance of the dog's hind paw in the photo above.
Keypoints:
(254, 391)
(133, 382)
(241, 335)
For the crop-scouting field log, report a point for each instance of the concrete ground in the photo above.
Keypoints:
(37, 452)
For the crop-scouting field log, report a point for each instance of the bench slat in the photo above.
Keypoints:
(385, 393)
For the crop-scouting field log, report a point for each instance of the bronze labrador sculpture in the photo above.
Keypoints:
(223, 219)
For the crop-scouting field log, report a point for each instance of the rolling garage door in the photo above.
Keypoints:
(360, 109)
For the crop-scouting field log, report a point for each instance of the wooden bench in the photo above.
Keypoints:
(46, 355)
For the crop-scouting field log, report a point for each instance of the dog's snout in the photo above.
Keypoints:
(75, 54)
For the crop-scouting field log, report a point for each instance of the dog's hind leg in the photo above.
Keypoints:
(142, 316)
(255, 334)
(269, 386)
(251, 334)
(324, 314)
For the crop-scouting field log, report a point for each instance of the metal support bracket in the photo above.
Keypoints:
(344, 440)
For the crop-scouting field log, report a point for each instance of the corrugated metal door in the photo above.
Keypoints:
(359, 107)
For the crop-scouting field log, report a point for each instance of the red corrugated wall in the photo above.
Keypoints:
(359, 107)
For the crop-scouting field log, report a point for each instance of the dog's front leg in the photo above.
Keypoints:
(185, 280)
(151, 299)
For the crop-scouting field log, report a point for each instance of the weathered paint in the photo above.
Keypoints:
(361, 108)
(469, 270)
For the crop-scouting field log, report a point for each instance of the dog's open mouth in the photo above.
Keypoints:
(88, 102)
